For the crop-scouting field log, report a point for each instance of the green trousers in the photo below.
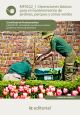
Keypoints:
(68, 68)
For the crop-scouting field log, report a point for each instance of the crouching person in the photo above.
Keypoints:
(19, 70)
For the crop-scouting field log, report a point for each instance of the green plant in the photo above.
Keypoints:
(1, 75)
(53, 71)
(78, 59)
(70, 85)
(60, 63)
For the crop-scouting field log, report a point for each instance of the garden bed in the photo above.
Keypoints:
(39, 88)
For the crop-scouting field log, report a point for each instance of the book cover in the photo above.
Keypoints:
(39, 56)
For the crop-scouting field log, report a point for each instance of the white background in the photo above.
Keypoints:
(75, 9)
(21, 107)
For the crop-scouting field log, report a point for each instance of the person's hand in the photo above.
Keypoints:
(42, 58)
(39, 59)
(38, 56)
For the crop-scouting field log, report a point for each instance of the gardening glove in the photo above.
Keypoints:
(39, 57)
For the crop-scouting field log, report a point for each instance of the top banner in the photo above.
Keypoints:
(59, 10)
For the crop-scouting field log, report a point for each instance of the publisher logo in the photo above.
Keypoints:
(11, 10)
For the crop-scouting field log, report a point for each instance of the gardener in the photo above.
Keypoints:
(62, 47)
(19, 70)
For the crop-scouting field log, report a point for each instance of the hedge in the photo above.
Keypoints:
(71, 85)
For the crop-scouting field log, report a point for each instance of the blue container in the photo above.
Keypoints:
(48, 73)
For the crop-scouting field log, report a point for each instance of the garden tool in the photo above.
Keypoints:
(52, 62)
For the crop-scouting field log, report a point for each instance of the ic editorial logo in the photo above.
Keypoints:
(11, 10)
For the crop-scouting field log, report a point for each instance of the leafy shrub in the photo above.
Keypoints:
(70, 85)
(1, 75)
(78, 59)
